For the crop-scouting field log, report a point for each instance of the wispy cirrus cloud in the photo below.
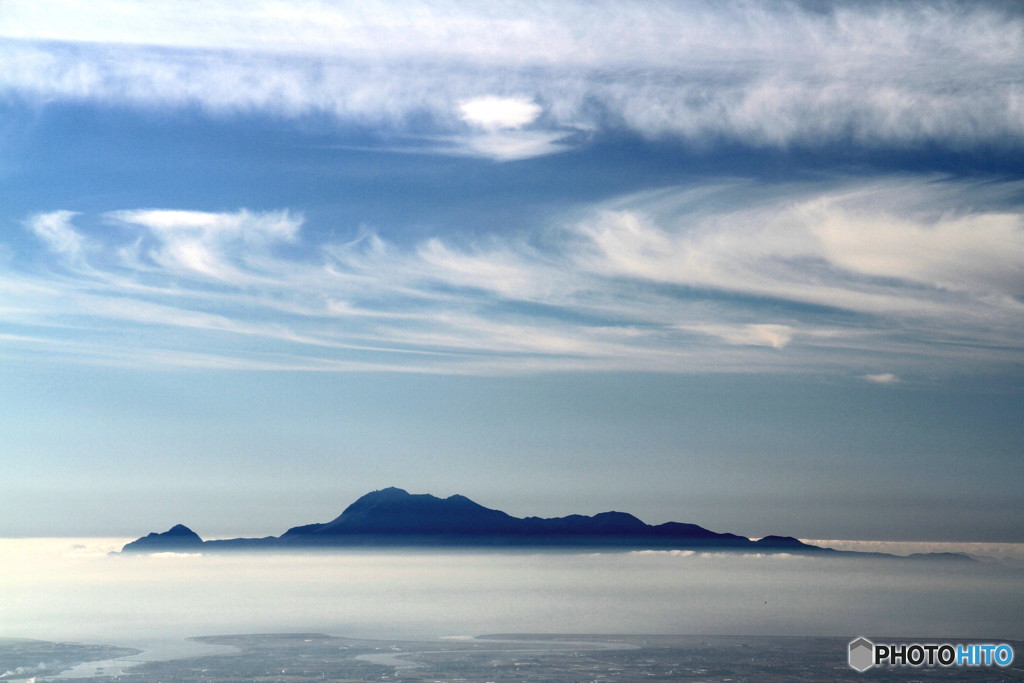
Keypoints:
(56, 230)
(515, 81)
(202, 243)
(842, 247)
(840, 277)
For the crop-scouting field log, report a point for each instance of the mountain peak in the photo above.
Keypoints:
(622, 520)
(178, 537)
(389, 493)
(394, 510)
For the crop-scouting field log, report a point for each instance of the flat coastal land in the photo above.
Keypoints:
(506, 657)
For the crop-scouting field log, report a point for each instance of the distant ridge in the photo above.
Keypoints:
(393, 517)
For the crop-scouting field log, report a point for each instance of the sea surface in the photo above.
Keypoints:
(64, 589)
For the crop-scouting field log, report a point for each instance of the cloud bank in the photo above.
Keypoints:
(864, 279)
(528, 74)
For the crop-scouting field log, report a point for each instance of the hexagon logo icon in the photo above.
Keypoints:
(862, 654)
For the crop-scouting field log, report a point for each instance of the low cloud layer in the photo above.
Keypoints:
(769, 75)
(876, 280)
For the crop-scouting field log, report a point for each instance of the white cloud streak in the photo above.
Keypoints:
(499, 113)
(56, 230)
(203, 243)
(773, 336)
(838, 278)
(775, 74)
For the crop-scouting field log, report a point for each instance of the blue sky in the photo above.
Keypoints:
(755, 266)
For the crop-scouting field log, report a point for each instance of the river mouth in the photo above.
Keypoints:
(150, 650)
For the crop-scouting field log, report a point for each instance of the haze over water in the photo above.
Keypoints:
(70, 589)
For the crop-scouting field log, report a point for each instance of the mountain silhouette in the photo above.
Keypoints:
(396, 517)
(395, 511)
(178, 538)
(393, 517)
